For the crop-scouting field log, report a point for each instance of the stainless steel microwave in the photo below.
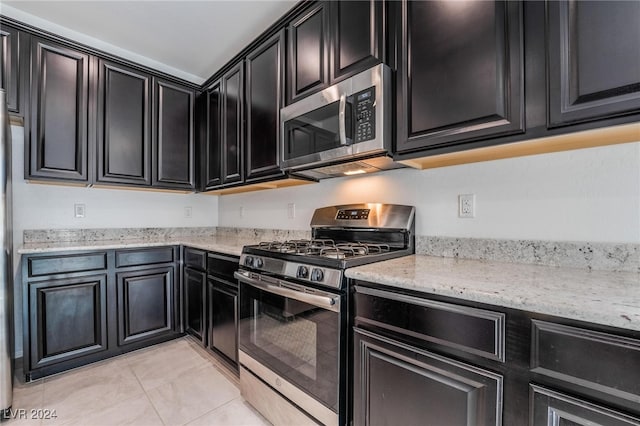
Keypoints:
(344, 129)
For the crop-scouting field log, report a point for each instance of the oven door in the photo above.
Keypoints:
(299, 334)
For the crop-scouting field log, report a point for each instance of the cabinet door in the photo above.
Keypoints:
(395, 384)
(194, 302)
(124, 125)
(145, 304)
(67, 319)
(213, 140)
(357, 36)
(460, 73)
(232, 129)
(58, 147)
(308, 53)
(173, 139)
(551, 408)
(594, 60)
(223, 319)
(265, 71)
(10, 65)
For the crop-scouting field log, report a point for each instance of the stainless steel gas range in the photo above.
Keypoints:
(294, 310)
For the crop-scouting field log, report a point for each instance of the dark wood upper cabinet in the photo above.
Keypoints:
(173, 137)
(58, 143)
(308, 52)
(10, 39)
(331, 41)
(264, 94)
(123, 125)
(213, 140)
(232, 124)
(358, 36)
(460, 72)
(593, 60)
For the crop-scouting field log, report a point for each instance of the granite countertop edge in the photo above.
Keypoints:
(598, 297)
(226, 245)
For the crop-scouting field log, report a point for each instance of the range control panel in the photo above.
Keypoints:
(352, 214)
(365, 115)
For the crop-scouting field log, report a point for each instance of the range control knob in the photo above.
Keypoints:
(258, 263)
(248, 261)
(303, 272)
(317, 274)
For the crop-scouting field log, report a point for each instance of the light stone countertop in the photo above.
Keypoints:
(601, 297)
(225, 244)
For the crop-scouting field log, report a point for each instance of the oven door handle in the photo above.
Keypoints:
(325, 302)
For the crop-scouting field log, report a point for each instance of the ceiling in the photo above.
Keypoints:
(188, 39)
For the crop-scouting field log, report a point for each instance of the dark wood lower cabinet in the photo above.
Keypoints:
(550, 408)
(396, 384)
(223, 319)
(194, 303)
(145, 304)
(67, 319)
(416, 360)
(80, 307)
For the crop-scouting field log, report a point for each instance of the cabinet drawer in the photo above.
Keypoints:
(598, 361)
(222, 266)
(195, 258)
(550, 408)
(50, 265)
(477, 331)
(144, 257)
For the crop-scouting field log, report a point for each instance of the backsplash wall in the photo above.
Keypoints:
(583, 195)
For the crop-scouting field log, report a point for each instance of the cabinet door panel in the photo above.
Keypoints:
(550, 408)
(232, 135)
(223, 317)
(594, 60)
(68, 319)
(174, 136)
(308, 50)
(194, 295)
(358, 36)
(460, 72)
(145, 304)
(10, 65)
(59, 111)
(124, 125)
(398, 384)
(265, 67)
(214, 145)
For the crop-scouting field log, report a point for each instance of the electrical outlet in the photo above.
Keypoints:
(188, 212)
(466, 205)
(79, 210)
(291, 211)
(241, 211)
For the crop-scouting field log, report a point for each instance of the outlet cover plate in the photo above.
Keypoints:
(466, 205)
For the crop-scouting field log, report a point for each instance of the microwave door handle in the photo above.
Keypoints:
(342, 120)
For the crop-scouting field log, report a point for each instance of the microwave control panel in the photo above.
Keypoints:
(365, 110)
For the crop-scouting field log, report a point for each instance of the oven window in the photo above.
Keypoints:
(316, 131)
(298, 341)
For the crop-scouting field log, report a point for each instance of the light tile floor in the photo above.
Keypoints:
(174, 383)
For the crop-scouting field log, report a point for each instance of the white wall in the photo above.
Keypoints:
(584, 195)
(37, 206)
